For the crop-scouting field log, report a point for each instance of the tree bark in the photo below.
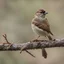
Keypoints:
(36, 44)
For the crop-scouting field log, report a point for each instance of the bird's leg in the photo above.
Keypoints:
(35, 39)
(7, 42)
(50, 38)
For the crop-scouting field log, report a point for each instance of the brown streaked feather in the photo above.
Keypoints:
(42, 25)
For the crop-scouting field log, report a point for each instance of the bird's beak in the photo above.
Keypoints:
(46, 13)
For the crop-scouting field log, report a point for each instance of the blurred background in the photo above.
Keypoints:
(15, 21)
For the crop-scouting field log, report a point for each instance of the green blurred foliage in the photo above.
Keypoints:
(15, 21)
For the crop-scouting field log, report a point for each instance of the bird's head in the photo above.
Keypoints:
(41, 13)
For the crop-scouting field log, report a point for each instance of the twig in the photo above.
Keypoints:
(5, 37)
(30, 53)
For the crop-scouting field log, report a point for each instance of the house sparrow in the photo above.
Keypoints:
(41, 27)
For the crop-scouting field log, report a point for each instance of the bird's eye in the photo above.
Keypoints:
(42, 12)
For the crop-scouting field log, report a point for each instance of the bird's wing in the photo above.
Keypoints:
(43, 25)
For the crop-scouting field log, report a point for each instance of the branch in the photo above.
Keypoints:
(36, 44)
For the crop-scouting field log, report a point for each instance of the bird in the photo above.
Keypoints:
(41, 27)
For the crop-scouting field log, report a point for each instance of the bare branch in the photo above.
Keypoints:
(39, 44)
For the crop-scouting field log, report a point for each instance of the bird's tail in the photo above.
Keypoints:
(44, 53)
